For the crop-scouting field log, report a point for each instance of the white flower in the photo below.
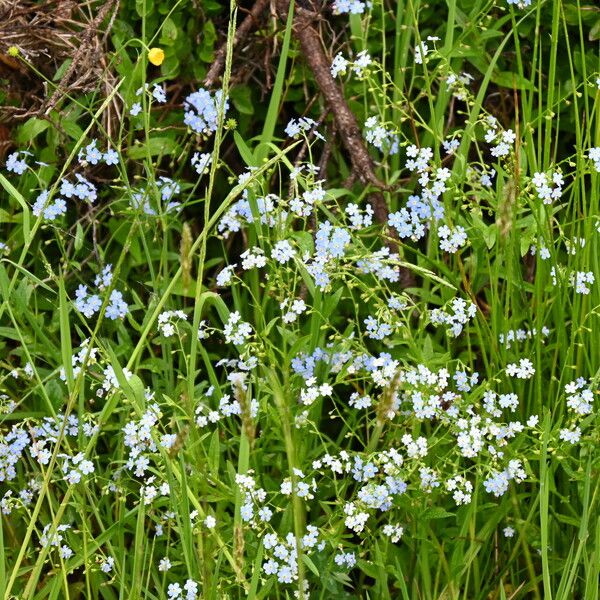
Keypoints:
(164, 564)
(210, 522)
(339, 65)
(523, 370)
(570, 435)
(282, 252)
(363, 60)
(107, 565)
(201, 162)
(236, 331)
(421, 50)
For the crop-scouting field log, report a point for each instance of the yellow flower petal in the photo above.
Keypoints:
(156, 56)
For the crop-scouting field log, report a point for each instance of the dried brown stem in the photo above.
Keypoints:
(242, 31)
(80, 55)
(346, 124)
(314, 54)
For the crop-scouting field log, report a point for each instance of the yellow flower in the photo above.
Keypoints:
(156, 56)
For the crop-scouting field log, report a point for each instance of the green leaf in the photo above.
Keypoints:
(214, 453)
(79, 237)
(65, 333)
(490, 235)
(55, 393)
(331, 302)
(435, 512)
(144, 8)
(12, 191)
(72, 129)
(62, 69)
(244, 151)
(512, 80)
(21, 296)
(310, 564)
(169, 32)
(153, 147)
(209, 35)
(31, 129)
(242, 99)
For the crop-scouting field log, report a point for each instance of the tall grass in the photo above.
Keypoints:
(217, 420)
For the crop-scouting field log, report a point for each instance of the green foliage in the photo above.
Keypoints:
(167, 361)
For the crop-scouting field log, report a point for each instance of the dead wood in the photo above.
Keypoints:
(240, 35)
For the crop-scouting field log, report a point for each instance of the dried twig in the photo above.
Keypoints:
(347, 126)
(242, 31)
(305, 16)
(86, 41)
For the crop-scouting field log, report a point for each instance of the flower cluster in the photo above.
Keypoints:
(503, 140)
(228, 406)
(312, 391)
(201, 162)
(237, 331)
(345, 559)
(354, 7)
(302, 125)
(524, 369)
(52, 207)
(456, 316)
(302, 489)
(283, 252)
(422, 49)
(253, 258)
(339, 65)
(15, 163)
(293, 308)
(580, 398)
(452, 239)
(189, 591)
(304, 206)
(497, 482)
(519, 3)
(394, 532)
(76, 467)
(383, 139)
(548, 187)
(376, 330)
(168, 320)
(241, 212)
(49, 210)
(139, 438)
(520, 335)
(202, 110)
(282, 553)
(305, 364)
(422, 209)
(53, 537)
(594, 156)
(461, 489)
(156, 93)
(458, 84)
(359, 218)
(93, 156)
(580, 280)
(88, 304)
(144, 199)
(12, 447)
